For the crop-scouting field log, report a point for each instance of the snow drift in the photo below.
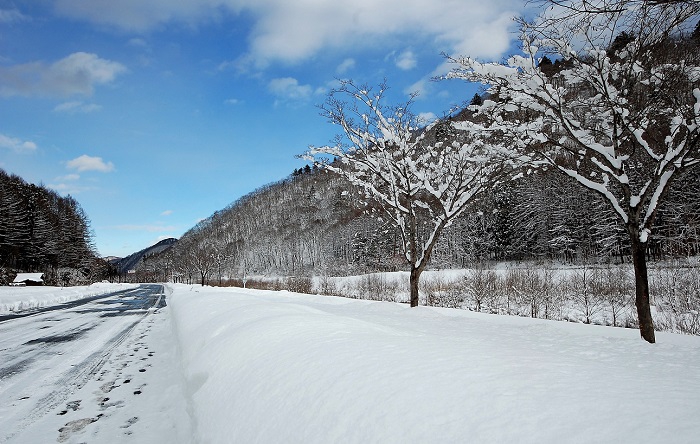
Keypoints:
(16, 299)
(264, 366)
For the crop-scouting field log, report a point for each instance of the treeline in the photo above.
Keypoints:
(313, 223)
(41, 231)
(547, 216)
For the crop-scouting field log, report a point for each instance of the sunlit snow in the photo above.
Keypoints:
(237, 365)
(267, 366)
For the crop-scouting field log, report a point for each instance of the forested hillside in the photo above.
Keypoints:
(131, 262)
(313, 223)
(41, 231)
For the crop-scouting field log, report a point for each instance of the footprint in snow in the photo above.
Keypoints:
(74, 405)
(72, 427)
(131, 421)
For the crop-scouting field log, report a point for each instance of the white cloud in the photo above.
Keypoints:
(68, 184)
(166, 213)
(289, 88)
(345, 66)
(232, 101)
(142, 15)
(69, 188)
(77, 73)
(292, 31)
(137, 42)
(444, 94)
(77, 107)
(68, 178)
(17, 145)
(228, 64)
(406, 60)
(88, 163)
(421, 87)
(426, 118)
(12, 16)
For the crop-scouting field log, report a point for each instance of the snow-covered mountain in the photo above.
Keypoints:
(131, 262)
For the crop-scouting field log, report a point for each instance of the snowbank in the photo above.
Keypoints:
(264, 366)
(16, 299)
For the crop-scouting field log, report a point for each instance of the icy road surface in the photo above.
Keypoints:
(99, 371)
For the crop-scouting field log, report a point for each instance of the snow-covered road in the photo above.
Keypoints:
(86, 373)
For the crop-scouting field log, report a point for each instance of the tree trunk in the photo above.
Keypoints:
(641, 280)
(415, 276)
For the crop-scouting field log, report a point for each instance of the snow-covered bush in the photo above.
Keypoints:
(593, 294)
(617, 290)
(441, 292)
(299, 284)
(326, 286)
(377, 287)
(585, 288)
(677, 296)
(482, 287)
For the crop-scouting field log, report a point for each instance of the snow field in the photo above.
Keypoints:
(264, 366)
(15, 299)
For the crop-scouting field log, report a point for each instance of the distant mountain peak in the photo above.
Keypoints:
(133, 260)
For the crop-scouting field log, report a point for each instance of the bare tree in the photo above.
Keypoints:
(619, 112)
(420, 178)
(585, 291)
(615, 291)
(481, 284)
(592, 7)
(197, 251)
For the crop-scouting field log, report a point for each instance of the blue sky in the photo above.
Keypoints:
(153, 114)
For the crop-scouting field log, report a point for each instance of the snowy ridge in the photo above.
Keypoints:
(263, 366)
(17, 299)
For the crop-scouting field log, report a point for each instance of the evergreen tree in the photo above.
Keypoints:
(41, 231)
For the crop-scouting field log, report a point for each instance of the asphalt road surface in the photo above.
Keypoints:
(47, 357)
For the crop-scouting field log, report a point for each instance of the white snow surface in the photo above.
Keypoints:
(16, 299)
(117, 381)
(264, 367)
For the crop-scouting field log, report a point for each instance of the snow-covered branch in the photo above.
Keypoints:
(421, 181)
(594, 118)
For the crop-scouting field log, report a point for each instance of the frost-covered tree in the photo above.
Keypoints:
(420, 178)
(620, 116)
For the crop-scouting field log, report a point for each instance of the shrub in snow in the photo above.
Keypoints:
(585, 288)
(677, 296)
(482, 286)
(441, 292)
(299, 284)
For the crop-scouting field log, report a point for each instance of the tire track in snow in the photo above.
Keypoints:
(77, 376)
